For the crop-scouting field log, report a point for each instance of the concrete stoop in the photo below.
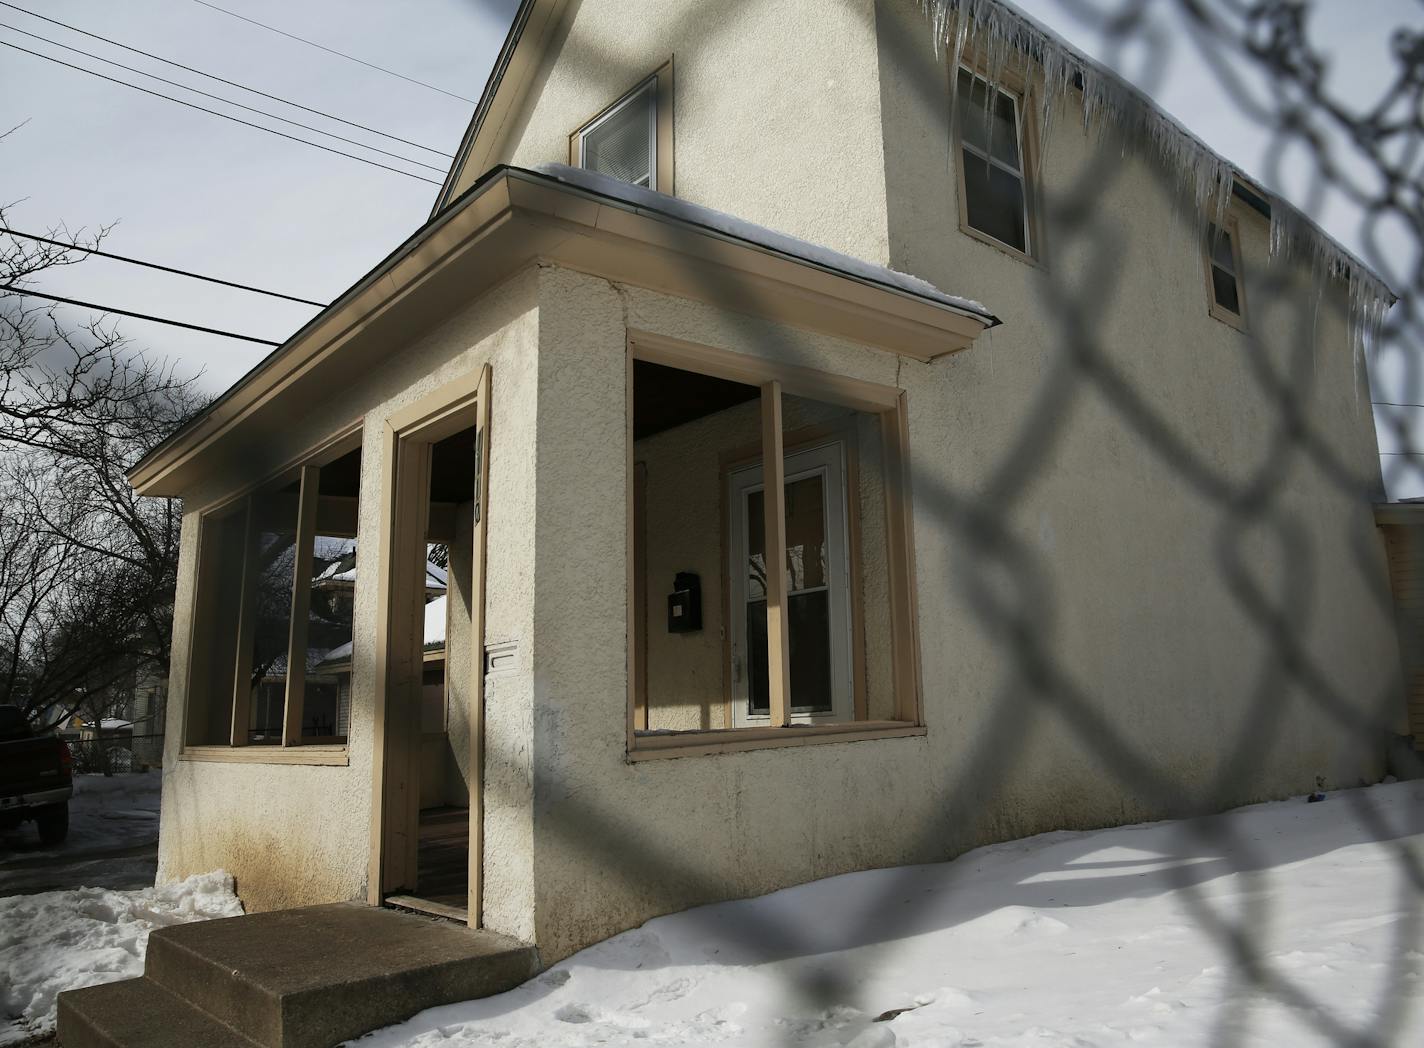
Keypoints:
(306, 978)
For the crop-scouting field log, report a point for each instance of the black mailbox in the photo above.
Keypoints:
(685, 603)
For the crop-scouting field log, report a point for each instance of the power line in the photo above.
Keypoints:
(155, 265)
(136, 316)
(225, 116)
(212, 76)
(1394, 404)
(333, 51)
(225, 101)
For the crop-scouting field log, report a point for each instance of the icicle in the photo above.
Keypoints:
(998, 35)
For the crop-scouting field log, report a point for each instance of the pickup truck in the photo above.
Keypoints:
(36, 777)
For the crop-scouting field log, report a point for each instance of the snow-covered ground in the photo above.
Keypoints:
(67, 939)
(105, 812)
(1114, 937)
(113, 835)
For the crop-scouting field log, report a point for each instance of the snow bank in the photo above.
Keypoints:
(1100, 938)
(63, 940)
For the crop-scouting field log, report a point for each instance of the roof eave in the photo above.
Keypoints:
(517, 218)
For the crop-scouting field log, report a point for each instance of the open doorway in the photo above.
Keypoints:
(432, 718)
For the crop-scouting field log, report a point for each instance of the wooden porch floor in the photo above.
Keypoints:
(443, 857)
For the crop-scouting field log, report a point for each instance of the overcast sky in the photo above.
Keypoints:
(194, 191)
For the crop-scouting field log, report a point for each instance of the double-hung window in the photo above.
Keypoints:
(994, 188)
(1223, 265)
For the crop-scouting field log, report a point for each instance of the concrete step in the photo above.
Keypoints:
(138, 1012)
(316, 976)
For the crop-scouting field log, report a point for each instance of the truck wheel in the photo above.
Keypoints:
(53, 824)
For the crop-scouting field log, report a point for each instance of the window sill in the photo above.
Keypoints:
(1012, 252)
(1228, 318)
(735, 740)
(318, 755)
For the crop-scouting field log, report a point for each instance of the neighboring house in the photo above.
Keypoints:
(665, 686)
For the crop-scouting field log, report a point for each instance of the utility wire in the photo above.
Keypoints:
(225, 101)
(136, 316)
(154, 265)
(333, 51)
(225, 116)
(213, 76)
(1394, 404)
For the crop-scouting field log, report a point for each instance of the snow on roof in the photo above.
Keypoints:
(761, 236)
(434, 634)
(344, 570)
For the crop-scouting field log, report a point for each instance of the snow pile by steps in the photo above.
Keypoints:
(63, 940)
(1103, 938)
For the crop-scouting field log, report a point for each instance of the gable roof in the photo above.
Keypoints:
(507, 78)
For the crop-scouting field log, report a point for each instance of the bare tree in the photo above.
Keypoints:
(87, 568)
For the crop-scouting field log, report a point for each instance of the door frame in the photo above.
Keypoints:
(406, 440)
(827, 458)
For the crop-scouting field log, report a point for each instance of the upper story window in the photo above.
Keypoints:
(994, 189)
(631, 140)
(1223, 263)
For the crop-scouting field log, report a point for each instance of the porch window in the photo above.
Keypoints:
(631, 140)
(770, 591)
(272, 632)
(994, 188)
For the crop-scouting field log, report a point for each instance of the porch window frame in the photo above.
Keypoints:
(1020, 91)
(776, 380)
(293, 748)
(661, 169)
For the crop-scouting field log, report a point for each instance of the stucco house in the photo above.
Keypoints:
(761, 568)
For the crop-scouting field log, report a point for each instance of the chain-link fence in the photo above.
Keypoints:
(1370, 155)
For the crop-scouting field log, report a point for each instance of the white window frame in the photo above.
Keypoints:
(1022, 172)
(647, 87)
(1230, 228)
(827, 460)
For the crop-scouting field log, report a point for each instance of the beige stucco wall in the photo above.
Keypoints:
(776, 111)
(293, 835)
(685, 525)
(1115, 560)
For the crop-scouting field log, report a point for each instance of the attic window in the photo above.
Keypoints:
(994, 195)
(631, 140)
(1223, 264)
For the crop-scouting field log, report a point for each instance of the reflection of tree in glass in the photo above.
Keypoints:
(276, 565)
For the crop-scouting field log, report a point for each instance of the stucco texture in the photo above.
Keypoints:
(1116, 561)
(294, 835)
(775, 118)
